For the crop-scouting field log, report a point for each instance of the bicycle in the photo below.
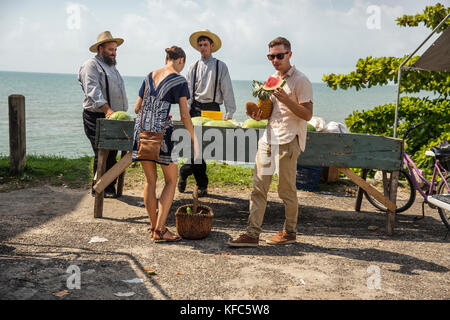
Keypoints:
(436, 195)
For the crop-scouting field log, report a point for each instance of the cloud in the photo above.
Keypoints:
(326, 35)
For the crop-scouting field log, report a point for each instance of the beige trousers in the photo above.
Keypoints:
(269, 158)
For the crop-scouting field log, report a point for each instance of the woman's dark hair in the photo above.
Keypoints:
(174, 53)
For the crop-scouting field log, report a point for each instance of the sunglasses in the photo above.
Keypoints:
(279, 56)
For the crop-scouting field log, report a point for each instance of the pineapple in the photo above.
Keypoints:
(264, 102)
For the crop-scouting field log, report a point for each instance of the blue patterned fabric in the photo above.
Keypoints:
(156, 108)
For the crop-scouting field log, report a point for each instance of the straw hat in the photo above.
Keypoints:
(205, 32)
(103, 37)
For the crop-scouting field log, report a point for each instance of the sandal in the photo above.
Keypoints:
(165, 236)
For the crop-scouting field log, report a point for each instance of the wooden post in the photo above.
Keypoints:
(17, 145)
(361, 190)
(101, 167)
(107, 177)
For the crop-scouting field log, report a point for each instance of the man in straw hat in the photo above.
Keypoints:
(210, 86)
(104, 93)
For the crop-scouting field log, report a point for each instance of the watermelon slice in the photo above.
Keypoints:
(273, 83)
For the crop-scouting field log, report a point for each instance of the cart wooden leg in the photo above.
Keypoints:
(361, 191)
(392, 194)
(121, 179)
(101, 167)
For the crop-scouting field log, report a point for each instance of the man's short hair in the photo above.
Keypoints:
(280, 41)
(202, 38)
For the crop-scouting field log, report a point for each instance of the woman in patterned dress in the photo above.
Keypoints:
(160, 89)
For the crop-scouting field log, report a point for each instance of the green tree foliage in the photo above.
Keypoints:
(431, 17)
(380, 71)
(384, 70)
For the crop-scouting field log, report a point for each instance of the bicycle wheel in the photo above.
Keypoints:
(442, 189)
(406, 193)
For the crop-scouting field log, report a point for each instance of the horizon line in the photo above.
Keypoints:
(131, 76)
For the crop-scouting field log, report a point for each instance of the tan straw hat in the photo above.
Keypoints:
(103, 37)
(205, 32)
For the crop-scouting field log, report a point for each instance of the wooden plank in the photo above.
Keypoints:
(106, 179)
(339, 150)
(121, 180)
(390, 219)
(101, 167)
(322, 149)
(352, 151)
(368, 188)
(17, 139)
(359, 197)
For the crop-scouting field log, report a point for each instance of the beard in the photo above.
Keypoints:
(108, 60)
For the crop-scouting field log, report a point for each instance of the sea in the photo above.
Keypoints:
(53, 107)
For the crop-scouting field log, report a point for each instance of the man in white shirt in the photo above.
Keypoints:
(209, 85)
(281, 145)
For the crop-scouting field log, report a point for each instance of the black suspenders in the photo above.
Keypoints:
(217, 78)
(107, 84)
(215, 84)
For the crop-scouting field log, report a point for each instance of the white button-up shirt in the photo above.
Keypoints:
(205, 80)
(283, 124)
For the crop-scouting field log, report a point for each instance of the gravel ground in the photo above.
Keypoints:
(46, 230)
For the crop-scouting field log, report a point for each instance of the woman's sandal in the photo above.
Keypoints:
(159, 236)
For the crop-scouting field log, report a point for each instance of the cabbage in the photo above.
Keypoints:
(250, 123)
(220, 123)
(199, 121)
(120, 115)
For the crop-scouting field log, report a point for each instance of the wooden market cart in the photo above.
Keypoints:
(343, 151)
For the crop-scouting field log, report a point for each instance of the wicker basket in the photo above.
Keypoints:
(194, 226)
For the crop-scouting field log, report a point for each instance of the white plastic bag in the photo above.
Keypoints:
(336, 127)
(318, 123)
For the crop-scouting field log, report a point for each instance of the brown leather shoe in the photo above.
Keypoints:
(244, 241)
(282, 238)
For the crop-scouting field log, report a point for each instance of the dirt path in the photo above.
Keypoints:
(45, 230)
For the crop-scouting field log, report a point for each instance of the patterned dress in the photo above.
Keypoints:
(156, 108)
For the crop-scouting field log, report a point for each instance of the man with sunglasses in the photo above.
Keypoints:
(210, 85)
(280, 146)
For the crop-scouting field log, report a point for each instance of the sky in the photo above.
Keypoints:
(327, 36)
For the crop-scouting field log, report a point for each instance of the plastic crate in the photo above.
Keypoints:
(215, 115)
(308, 178)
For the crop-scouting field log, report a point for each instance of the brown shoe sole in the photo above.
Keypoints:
(268, 241)
(248, 244)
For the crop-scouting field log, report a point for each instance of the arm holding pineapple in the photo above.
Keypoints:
(302, 110)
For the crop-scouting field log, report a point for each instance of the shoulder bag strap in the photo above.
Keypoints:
(143, 99)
